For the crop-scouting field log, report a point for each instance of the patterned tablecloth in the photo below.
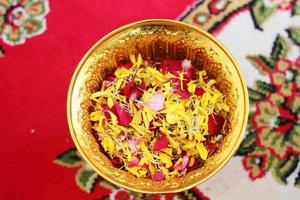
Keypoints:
(41, 43)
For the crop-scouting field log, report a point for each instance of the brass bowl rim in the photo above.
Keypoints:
(156, 22)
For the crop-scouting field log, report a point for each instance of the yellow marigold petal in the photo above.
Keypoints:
(192, 87)
(191, 161)
(99, 94)
(122, 72)
(202, 151)
(171, 118)
(166, 159)
(199, 137)
(96, 116)
(114, 119)
(110, 102)
(108, 144)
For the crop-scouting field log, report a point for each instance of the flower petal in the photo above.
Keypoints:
(124, 118)
(158, 176)
(161, 143)
(183, 94)
(215, 124)
(183, 164)
(156, 102)
(134, 162)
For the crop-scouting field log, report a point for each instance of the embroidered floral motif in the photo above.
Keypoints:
(273, 139)
(22, 19)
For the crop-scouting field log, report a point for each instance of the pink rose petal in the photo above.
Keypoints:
(157, 102)
(134, 162)
(158, 176)
(186, 64)
(183, 164)
(132, 145)
(124, 118)
(161, 143)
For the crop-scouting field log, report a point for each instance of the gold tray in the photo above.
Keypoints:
(156, 38)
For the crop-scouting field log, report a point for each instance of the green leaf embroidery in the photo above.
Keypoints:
(248, 144)
(104, 183)
(106, 198)
(283, 168)
(296, 8)
(86, 179)
(294, 34)
(260, 12)
(297, 180)
(2, 52)
(280, 48)
(68, 158)
(255, 95)
(262, 63)
(264, 87)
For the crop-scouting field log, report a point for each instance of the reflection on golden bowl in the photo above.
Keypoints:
(156, 39)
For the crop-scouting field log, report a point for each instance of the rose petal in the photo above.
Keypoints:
(161, 143)
(183, 94)
(122, 136)
(143, 85)
(199, 91)
(106, 113)
(132, 145)
(183, 164)
(186, 64)
(131, 90)
(211, 147)
(173, 66)
(175, 81)
(124, 118)
(157, 102)
(117, 162)
(190, 74)
(134, 162)
(158, 176)
(215, 124)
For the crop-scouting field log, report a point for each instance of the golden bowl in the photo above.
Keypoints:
(156, 38)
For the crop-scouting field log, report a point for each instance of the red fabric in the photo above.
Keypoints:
(33, 90)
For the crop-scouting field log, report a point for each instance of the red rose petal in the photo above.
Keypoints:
(106, 113)
(215, 124)
(131, 91)
(175, 81)
(143, 85)
(190, 74)
(199, 91)
(158, 176)
(123, 116)
(161, 143)
(117, 162)
(183, 164)
(183, 94)
(211, 147)
(171, 65)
